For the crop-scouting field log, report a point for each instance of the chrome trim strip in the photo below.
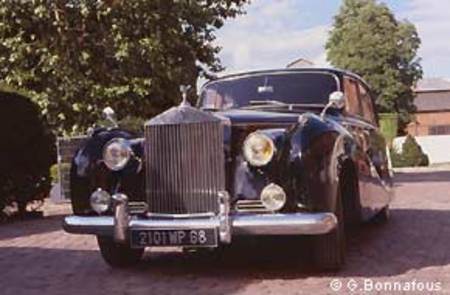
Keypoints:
(137, 207)
(241, 224)
(250, 206)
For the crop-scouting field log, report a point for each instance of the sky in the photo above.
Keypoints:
(276, 32)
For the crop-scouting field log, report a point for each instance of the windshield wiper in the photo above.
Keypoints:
(268, 102)
(254, 104)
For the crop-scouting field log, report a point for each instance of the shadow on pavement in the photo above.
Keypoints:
(253, 259)
(437, 176)
(28, 270)
(413, 239)
(20, 228)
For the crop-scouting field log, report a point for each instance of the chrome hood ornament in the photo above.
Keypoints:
(184, 89)
(184, 113)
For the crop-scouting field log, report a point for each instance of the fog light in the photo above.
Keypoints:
(100, 201)
(273, 197)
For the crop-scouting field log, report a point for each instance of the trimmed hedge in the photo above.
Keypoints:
(27, 150)
(412, 154)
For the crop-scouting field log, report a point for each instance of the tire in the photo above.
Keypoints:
(329, 249)
(350, 201)
(383, 216)
(118, 255)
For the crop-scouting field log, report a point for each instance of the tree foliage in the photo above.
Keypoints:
(27, 151)
(78, 56)
(368, 40)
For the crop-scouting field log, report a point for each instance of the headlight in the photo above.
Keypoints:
(100, 201)
(116, 154)
(258, 149)
(273, 197)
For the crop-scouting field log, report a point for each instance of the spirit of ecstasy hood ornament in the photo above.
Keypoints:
(184, 91)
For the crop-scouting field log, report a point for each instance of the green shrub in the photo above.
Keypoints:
(411, 155)
(27, 151)
(389, 126)
(54, 173)
(55, 169)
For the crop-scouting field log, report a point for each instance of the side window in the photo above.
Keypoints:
(211, 99)
(367, 105)
(352, 103)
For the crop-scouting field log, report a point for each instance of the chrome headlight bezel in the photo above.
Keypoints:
(117, 162)
(250, 152)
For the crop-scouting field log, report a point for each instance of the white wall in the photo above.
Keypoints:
(437, 147)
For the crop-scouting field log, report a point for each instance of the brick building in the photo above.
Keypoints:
(433, 108)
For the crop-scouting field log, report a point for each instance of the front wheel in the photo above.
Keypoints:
(329, 249)
(118, 255)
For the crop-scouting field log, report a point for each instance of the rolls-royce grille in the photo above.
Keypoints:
(185, 167)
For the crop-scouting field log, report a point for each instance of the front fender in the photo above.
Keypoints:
(317, 149)
(88, 171)
(307, 164)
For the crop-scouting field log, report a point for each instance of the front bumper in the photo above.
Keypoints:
(248, 224)
(226, 223)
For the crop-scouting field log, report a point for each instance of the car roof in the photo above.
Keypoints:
(335, 71)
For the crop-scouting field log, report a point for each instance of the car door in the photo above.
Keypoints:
(370, 154)
(377, 151)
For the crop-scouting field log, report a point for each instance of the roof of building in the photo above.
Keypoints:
(300, 63)
(432, 95)
(429, 101)
(431, 84)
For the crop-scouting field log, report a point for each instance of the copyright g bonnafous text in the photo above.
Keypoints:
(371, 285)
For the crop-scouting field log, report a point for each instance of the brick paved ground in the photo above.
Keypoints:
(37, 257)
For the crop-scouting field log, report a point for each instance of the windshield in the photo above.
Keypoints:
(273, 88)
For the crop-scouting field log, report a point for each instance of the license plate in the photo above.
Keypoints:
(190, 237)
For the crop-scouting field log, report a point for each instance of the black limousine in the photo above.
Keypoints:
(286, 152)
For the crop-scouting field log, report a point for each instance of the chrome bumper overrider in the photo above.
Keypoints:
(227, 224)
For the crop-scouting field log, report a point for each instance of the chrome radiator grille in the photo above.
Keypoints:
(184, 167)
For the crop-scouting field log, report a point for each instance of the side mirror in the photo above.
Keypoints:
(110, 116)
(335, 100)
(109, 112)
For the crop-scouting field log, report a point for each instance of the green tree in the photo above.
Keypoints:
(368, 40)
(77, 56)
